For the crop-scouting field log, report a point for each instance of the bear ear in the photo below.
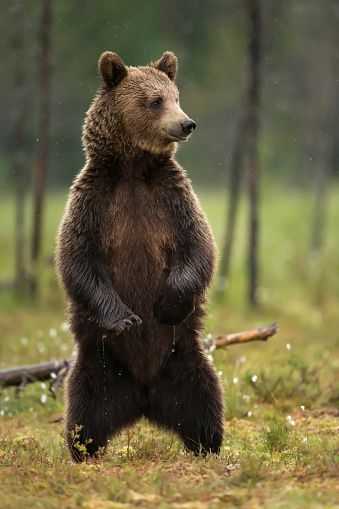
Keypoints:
(111, 68)
(168, 64)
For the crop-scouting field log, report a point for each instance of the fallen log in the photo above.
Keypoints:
(55, 371)
(23, 375)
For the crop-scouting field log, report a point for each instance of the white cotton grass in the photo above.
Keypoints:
(43, 399)
(254, 378)
(290, 421)
(235, 380)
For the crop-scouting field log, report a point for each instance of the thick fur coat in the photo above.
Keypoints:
(136, 255)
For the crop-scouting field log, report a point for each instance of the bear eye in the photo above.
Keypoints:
(157, 103)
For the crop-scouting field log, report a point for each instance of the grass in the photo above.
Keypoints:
(281, 423)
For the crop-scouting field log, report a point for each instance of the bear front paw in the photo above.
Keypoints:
(174, 307)
(125, 324)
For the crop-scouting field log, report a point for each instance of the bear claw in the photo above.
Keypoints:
(125, 324)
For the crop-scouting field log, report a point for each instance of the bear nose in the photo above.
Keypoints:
(188, 126)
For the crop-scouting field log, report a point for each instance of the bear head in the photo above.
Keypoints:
(136, 109)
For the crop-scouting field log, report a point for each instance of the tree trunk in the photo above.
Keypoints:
(322, 93)
(323, 161)
(43, 137)
(255, 21)
(235, 178)
(19, 119)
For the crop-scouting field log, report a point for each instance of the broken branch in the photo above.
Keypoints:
(261, 334)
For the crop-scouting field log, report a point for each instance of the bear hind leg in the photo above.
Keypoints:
(187, 399)
(96, 411)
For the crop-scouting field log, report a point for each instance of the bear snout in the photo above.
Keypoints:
(188, 126)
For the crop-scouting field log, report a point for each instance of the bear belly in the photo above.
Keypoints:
(140, 270)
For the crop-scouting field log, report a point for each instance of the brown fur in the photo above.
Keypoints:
(135, 245)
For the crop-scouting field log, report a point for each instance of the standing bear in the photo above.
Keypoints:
(135, 256)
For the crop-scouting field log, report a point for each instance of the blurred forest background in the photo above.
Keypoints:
(49, 77)
(49, 59)
(261, 78)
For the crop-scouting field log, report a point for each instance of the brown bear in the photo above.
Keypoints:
(135, 255)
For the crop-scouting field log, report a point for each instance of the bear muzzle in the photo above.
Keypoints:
(183, 130)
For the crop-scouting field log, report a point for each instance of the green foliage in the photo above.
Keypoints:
(277, 437)
(293, 379)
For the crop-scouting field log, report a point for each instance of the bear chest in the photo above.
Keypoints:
(139, 230)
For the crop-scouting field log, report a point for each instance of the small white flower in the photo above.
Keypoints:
(52, 333)
(302, 407)
(43, 386)
(254, 378)
(249, 413)
(53, 375)
(220, 373)
(305, 440)
(246, 397)
(210, 357)
(2, 412)
(212, 348)
(43, 398)
(209, 336)
(242, 359)
(288, 346)
(235, 379)
(288, 418)
(7, 398)
(292, 422)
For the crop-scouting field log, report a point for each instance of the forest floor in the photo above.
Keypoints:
(281, 447)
